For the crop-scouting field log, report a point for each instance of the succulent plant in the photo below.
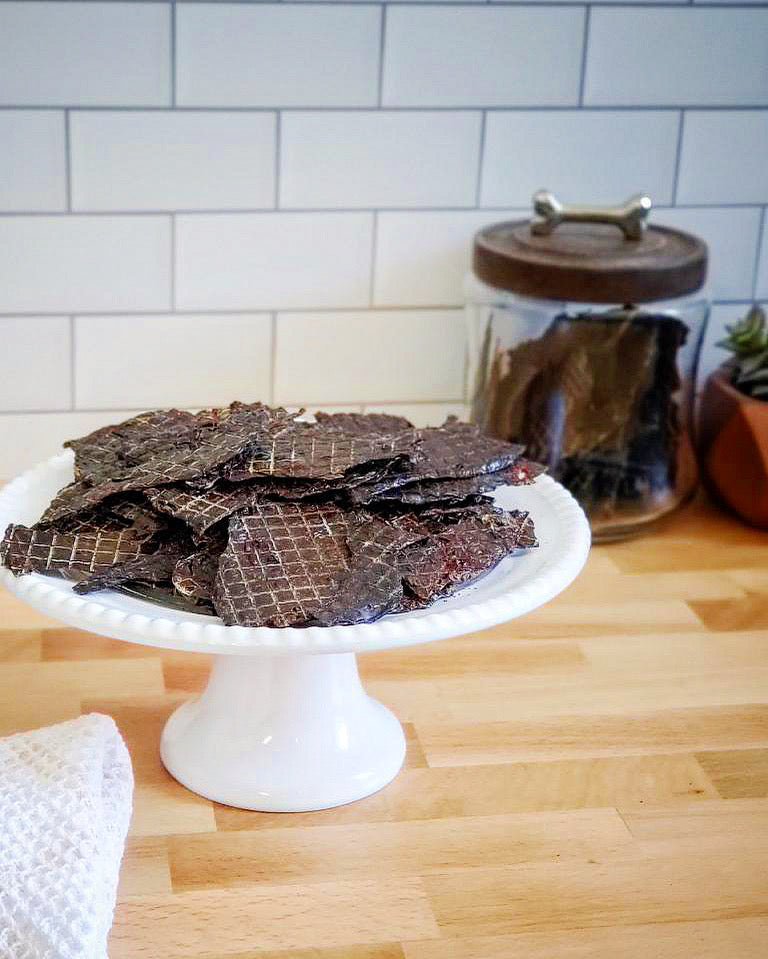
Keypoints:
(748, 341)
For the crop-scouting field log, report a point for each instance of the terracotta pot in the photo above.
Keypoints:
(733, 447)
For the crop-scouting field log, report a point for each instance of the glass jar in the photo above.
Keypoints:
(584, 334)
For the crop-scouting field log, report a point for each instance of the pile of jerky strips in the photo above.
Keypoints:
(270, 521)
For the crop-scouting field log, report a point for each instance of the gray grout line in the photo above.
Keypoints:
(67, 162)
(278, 311)
(72, 358)
(382, 52)
(512, 208)
(762, 250)
(421, 108)
(272, 356)
(584, 48)
(374, 243)
(307, 403)
(481, 158)
(172, 36)
(173, 262)
(678, 154)
(659, 4)
(278, 154)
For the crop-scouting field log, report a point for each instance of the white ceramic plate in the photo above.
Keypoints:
(517, 585)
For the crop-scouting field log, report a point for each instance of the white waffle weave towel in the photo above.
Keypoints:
(65, 805)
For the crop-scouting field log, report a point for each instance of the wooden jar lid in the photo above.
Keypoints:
(590, 262)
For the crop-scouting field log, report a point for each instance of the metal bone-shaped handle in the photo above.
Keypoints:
(630, 217)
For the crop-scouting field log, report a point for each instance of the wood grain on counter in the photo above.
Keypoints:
(588, 781)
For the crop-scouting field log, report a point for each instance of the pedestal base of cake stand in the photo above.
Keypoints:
(283, 733)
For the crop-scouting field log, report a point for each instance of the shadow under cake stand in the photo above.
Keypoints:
(285, 724)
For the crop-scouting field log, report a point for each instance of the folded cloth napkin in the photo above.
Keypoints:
(65, 804)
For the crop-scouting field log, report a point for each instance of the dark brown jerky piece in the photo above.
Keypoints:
(217, 437)
(459, 450)
(279, 564)
(372, 585)
(448, 491)
(463, 549)
(71, 555)
(151, 568)
(324, 454)
(163, 594)
(194, 576)
(362, 424)
(201, 509)
(113, 451)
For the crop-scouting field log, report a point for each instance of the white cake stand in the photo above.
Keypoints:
(284, 723)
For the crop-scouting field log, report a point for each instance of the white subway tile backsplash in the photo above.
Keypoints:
(36, 372)
(762, 265)
(193, 360)
(273, 260)
(585, 156)
(72, 53)
(375, 159)
(172, 160)
(421, 121)
(421, 414)
(267, 54)
(32, 160)
(482, 56)
(51, 264)
(422, 257)
(369, 357)
(655, 56)
(724, 157)
(27, 439)
(731, 235)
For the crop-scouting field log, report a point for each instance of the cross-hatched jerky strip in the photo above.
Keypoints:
(456, 451)
(71, 555)
(201, 509)
(321, 454)
(462, 550)
(448, 491)
(112, 451)
(363, 424)
(215, 440)
(373, 583)
(150, 568)
(277, 569)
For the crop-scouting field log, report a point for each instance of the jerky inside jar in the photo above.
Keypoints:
(251, 514)
(585, 326)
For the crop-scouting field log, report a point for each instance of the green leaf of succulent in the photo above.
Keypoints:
(758, 376)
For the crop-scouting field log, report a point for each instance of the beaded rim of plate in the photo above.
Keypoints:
(194, 632)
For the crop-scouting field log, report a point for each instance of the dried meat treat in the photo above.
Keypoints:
(112, 451)
(447, 491)
(453, 451)
(374, 424)
(334, 522)
(462, 549)
(202, 509)
(195, 575)
(70, 555)
(322, 454)
(217, 437)
(279, 564)
(164, 594)
(150, 568)
(372, 583)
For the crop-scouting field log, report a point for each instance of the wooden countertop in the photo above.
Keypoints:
(588, 781)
